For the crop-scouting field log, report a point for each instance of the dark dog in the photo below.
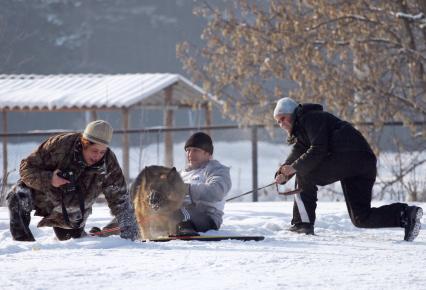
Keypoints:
(157, 192)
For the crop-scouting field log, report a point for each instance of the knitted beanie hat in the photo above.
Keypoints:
(99, 132)
(200, 140)
(285, 106)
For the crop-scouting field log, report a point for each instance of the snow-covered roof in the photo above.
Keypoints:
(89, 91)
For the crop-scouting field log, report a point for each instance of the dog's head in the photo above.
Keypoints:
(162, 188)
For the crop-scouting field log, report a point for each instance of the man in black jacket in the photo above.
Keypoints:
(327, 149)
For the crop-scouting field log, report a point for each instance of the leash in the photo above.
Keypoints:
(287, 192)
(111, 231)
(245, 193)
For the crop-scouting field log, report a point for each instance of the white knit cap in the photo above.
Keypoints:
(285, 106)
(99, 132)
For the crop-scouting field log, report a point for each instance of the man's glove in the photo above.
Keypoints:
(129, 233)
(127, 222)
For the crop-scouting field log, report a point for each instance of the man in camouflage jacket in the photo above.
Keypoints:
(61, 180)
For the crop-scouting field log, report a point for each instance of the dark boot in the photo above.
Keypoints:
(186, 229)
(19, 226)
(410, 221)
(20, 206)
(302, 228)
(66, 234)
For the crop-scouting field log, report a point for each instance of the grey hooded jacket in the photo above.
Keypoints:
(208, 187)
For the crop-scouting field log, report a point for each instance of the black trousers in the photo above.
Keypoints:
(202, 221)
(356, 172)
(20, 203)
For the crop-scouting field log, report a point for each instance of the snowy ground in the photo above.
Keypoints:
(340, 256)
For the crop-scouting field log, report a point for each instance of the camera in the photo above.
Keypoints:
(70, 176)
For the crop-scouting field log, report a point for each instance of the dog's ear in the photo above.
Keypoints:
(172, 174)
(147, 172)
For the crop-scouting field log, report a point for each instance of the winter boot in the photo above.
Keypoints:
(410, 221)
(20, 206)
(186, 228)
(19, 226)
(302, 228)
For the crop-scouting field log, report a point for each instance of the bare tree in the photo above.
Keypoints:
(406, 179)
(364, 60)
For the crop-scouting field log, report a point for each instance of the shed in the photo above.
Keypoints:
(92, 93)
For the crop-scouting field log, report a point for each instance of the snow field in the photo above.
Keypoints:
(339, 256)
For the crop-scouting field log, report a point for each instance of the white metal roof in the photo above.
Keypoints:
(80, 91)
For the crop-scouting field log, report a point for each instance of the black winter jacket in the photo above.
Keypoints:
(316, 134)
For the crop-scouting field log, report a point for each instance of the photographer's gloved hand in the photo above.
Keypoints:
(127, 222)
(129, 233)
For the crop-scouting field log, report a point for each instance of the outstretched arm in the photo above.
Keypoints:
(217, 185)
(119, 201)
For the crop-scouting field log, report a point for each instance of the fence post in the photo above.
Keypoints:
(168, 123)
(254, 160)
(208, 117)
(4, 145)
(126, 162)
(5, 173)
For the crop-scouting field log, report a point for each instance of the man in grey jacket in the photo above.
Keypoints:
(208, 182)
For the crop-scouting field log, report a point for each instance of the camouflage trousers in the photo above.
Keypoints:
(20, 204)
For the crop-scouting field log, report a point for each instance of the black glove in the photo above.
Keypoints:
(127, 222)
(129, 233)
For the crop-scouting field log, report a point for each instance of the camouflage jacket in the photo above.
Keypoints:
(64, 152)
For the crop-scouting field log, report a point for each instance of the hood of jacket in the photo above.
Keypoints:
(301, 110)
